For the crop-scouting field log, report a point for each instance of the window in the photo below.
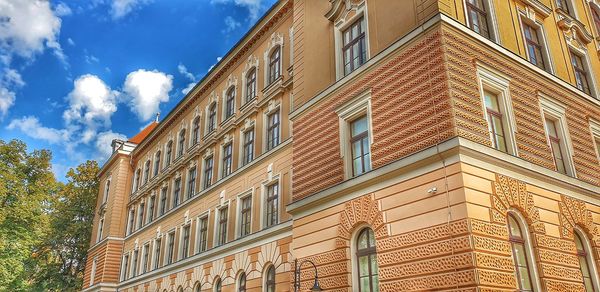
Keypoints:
(230, 103)
(208, 169)
(250, 85)
(130, 225)
(275, 64)
(272, 130)
(478, 18)
(222, 227)
(359, 146)
(585, 261)
(245, 215)
(556, 146)
(176, 192)
(181, 146)
(156, 163)
(227, 160)
(521, 257)
(93, 273)
(169, 153)
(581, 74)
(163, 201)
(191, 182)
(197, 286)
(565, 6)
(242, 282)
(106, 190)
(146, 171)
(185, 242)
(248, 147)
(134, 263)
(218, 285)
(100, 227)
(495, 120)
(136, 181)
(196, 131)
(270, 280)
(354, 50)
(145, 256)
(202, 234)
(595, 17)
(212, 117)
(157, 243)
(125, 268)
(366, 259)
(170, 247)
(534, 43)
(272, 205)
(151, 204)
(140, 222)
(595, 129)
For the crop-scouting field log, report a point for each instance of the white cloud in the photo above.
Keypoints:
(146, 90)
(213, 65)
(188, 87)
(91, 105)
(231, 24)
(62, 9)
(71, 42)
(12, 77)
(7, 99)
(184, 71)
(31, 127)
(120, 8)
(253, 6)
(91, 59)
(103, 143)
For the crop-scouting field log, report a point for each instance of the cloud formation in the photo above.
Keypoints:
(31, 126)
(253, 6)
(231, 24)
(103, 143)
(120, 8)
(146, 90)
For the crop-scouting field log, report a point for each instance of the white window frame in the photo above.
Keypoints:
(353, 250)
(144, 264)
(494, 31)
(524, 19)
(131, 225)
(583, 53)
(93, 272)
(207, 116)
(166, 251)
(572, 9)
(217, 223)
(222, 156)
(265, 139)
(154, 256)
(242, 140)
(238, 225)
(556, 111)
(263, 200)
(177, 147)
(276, 40)
(499, 84)
(180, 244)
(139, 223)
(150, 199)
(100, 229)
(356, 107)
(106, 190)
(340, 25)
(251, 63)
(124, 271)
(133, 270)
(208, 154)
(595, 131)
(590, 257)
(535, 276)
(232, 82)
(203, 215)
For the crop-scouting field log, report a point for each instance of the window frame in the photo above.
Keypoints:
(348, 112)
(339, 27)
(250, 92)
(229, 103)
(196, 131)
(491, 19)
(557, 112)
(147, 165)
(125, 267)
(168, 153)
(264, 222)
(184, 246)
(220, 232)
(269, 128)
(241, 287)
(192, 176)
(177, 190)
(357, 253)
(266, 281)
(585, 60)
(542, 39)
(595, 131)
(164, 201)
(156, 251)
(106, 190)
(157, 159)
(247, 159)
(170, 251)
(207, 172)
(100, 229)
(211, 118)
(589, 256)
(226, 165)
(145, 262)
(151, 208)
(181, 143)
(529, 250)
(274, 64)
(241, 211)
(201, 244)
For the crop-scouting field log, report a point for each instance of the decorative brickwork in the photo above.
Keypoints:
(511, 193)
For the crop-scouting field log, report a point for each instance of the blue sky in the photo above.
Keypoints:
(76, 74)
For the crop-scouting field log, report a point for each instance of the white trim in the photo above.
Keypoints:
(341, 25)
(556, 111)
(180, 245)
(530, 20)
(93, 271)
(590, 257)
(276, 40)
(494, 31)
(532, 264)
(595, 130)
(238, 211)
(274, 107)
(217, 230)
(356, 107)
(584, 55)
(353, 250)
(263, 200)
(203, 215)
(251, 63)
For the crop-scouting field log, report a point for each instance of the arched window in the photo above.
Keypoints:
(136, 183)
(196, 131)
(230, 102)
(270, 280)
(156, 163)
(169, 154)
(197, 286)
(521, 256)
(242, 282)
(106, 190)
(212, 117)
(250, 84)
(180, 289)
(366, 258)
(181, 145)
(585, 261)
(595, 16)
(217, 286)
(275, 65)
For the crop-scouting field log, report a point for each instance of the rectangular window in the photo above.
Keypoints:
(556, 146)
(202, 234)
(106, 190)
(272, 130)
(581, 74)
(208, 170)
(495, 121)
(272, 205)
(146, 171)
(125, 267)
(359, 145)
(562, 4)
(534, 43)
(181, 146)
(130, 225)
(230, 103)
(157, 253)
(477, 13)
(222, 227)
(169, 153)
(185, 242)
(245, 215)
(176, 192)
(212, 117)
(134, 263)
(170, 247)
(163, 201)
(93, 273)
(248, 152)
(251, 85)
(227, 160)
(151, 204)
(145, 257)
(100, 227)
(191, 182)
(196, 131)
(156, 163)
(354, 48)
(597, 142)
(140, 222)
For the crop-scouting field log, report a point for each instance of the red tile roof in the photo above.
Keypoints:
(137, 139)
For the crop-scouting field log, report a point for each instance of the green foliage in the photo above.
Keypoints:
(45, 225)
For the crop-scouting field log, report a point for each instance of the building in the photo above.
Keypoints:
(397, 145)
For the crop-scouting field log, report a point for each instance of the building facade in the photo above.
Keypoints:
(398, 145)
